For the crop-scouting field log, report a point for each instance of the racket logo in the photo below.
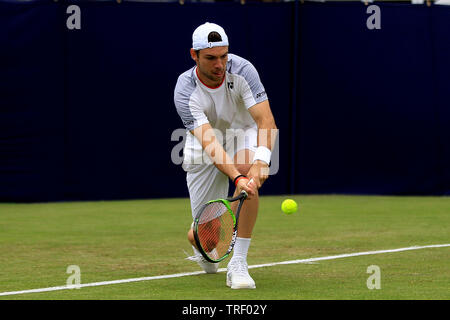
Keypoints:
(233, 240)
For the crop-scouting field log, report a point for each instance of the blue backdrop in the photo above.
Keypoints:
(89, 114)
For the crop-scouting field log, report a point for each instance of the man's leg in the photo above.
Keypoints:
(237, 275)
(205, 182)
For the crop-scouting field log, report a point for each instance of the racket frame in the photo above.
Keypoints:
(241, 197)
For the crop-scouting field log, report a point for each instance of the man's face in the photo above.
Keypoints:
(211, 64)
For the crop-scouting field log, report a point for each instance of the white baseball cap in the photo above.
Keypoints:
(200, 36)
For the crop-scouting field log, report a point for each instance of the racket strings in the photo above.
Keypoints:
(215, 229)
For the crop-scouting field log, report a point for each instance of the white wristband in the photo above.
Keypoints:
(262, 153)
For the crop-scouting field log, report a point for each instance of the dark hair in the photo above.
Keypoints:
(212, 37)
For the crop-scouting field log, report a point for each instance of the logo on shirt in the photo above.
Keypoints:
(230, 85)
(259, 95)
(188, 122)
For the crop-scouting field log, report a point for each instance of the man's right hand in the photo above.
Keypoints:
(248, 186)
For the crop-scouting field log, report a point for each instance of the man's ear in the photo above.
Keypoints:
(194, 55)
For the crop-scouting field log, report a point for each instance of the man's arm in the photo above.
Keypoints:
(221, 159)
(267, 132)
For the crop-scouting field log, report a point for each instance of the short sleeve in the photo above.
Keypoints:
(253, 91)
(188, 109)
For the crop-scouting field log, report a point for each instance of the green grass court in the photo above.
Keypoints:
(115, 240)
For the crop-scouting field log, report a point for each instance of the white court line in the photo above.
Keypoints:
(178, 275)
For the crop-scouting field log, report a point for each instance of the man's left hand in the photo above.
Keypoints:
(259, 172)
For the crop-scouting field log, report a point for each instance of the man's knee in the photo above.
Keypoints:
(243, 168)
(243, 160)
(190, 236)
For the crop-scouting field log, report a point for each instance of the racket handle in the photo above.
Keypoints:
(243, 192)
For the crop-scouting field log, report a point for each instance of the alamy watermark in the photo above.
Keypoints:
(74, 20)
(374, 280)
(374, 20)
(190, 151)
(74, 280)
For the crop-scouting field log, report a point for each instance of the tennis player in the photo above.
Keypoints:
(225, 109)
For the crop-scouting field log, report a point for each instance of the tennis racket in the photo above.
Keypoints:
(215, 227)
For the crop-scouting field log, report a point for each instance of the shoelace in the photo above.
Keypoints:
(239, 267)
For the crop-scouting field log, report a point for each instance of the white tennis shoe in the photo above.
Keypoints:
(207, 266)
(237, 275)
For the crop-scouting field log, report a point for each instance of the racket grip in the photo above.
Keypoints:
(243, 192)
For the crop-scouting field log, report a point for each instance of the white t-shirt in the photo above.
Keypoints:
(224, 107)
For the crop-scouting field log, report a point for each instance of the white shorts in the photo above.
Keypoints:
(205, 182)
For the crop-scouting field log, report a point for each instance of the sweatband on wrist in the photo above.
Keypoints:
(262, 153)
(239, 177)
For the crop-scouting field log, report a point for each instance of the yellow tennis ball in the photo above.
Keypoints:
(289, 206)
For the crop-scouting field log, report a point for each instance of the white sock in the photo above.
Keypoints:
(241, 248)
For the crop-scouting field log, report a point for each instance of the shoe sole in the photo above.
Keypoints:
(229, 284)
